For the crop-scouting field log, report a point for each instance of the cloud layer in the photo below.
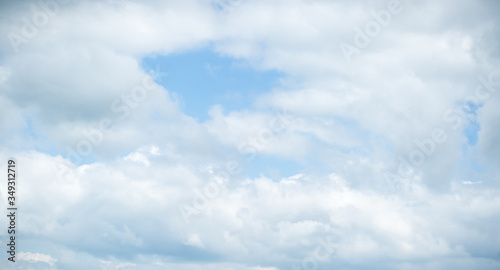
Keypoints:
(394, 142)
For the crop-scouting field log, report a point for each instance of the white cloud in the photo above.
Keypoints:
(194, 240)
(37, 257)
(353, 122)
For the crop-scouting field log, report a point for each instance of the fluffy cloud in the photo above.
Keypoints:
(109, 164)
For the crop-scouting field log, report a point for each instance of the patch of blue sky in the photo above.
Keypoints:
(275, 167)
(33, 140)
(271, 167)
(471, 129)
(203, 78)
(469, 166)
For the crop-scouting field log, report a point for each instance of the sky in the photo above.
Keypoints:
(251, 134)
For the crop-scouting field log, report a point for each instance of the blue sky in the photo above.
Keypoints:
(203, 78)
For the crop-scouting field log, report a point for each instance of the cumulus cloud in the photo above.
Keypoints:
(393, 146)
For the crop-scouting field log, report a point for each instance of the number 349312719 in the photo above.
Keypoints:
(11, 184)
